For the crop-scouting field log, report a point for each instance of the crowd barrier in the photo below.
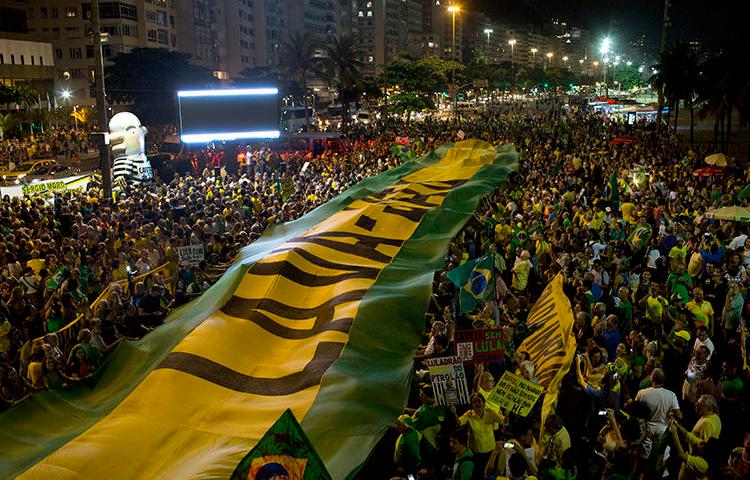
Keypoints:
(67, 336)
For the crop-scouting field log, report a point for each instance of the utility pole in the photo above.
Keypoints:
(101, 104)
(662, 51)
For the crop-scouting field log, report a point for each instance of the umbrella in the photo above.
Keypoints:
(718, 160)
(735, 213)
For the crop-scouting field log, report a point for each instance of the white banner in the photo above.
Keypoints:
(78, 182)
(448, 380)
(191, 255)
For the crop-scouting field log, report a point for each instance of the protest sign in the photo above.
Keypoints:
(448, 380)
(515, 394)
(480, 345)
(191, 254)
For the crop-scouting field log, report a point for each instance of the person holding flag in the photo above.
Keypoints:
(611, 193)
(475, 279)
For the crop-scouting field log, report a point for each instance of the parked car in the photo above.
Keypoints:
(38, 169)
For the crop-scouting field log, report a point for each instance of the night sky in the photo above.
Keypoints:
(712, 22)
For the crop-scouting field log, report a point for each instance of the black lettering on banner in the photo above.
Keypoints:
(365, 246)
(325, 354)
(413, 214)
(531, 345)
(541, 310)
(366, 223)
(549, 372)
(250, 309)
(288, 270)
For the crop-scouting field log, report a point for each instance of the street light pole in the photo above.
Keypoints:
(605, 50)
(512, 43)
(101, 105)
(487, 32)
(454, 9)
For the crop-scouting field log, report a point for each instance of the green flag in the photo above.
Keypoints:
(611, 192)
(404, 152)
(283, 452)
(639, 236)
(744, 193)
(474, 278)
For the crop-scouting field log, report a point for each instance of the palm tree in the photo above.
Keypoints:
(8, 121)
(676, 79)
(8, 95)
(341, 68)
(725, 87)
(298, 61)
(27, 96)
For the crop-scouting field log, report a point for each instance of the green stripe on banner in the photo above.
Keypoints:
(48, 420)
(381, 348)
(361, 393)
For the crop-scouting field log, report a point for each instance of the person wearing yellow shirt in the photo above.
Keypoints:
(655, 304)
(481, 422)
(628, 209)
(503, 233)
(36, 264)
(706, 430)
(677, 256)
(702, 310)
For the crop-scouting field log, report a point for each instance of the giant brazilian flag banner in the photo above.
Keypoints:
(321, 315)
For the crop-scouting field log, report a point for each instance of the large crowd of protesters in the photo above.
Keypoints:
(53, 143)
(657, 385)
(59, 254)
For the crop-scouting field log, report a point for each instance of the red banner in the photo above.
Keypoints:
(479, 346)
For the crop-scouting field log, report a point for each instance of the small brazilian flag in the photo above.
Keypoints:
(611, 193)
(404, 152)
(639, 236)
(283, 452)
(474, 279)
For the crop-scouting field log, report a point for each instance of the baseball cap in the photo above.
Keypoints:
(683, 334)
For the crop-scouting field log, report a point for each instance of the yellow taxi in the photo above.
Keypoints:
(29, 169)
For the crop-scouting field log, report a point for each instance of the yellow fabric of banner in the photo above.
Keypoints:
(552, 346)
(218, 391)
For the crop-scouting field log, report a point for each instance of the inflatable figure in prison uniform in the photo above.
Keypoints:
(128, 139)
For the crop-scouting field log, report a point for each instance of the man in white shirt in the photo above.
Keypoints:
(662, 404)
(703, 340)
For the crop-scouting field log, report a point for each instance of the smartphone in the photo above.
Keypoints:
(602, 412)
(508, 445)
(410, 477)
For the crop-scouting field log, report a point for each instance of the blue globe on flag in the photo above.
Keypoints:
(478, 283)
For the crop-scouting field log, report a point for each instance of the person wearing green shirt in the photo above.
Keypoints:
(679, 284)
(428, 420)
(406, 454)
(463, 467)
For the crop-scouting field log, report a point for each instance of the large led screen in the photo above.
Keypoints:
(244, 113)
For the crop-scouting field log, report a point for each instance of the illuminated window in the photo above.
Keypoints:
(71, 12)
(369, 13)
(360, 14)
